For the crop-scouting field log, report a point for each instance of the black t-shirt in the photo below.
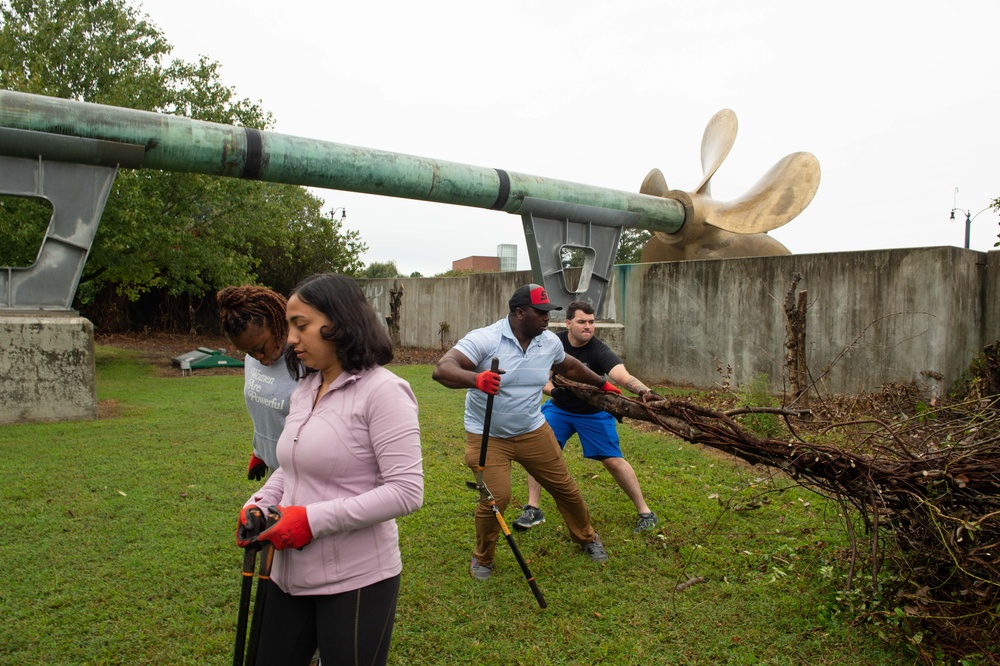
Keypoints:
(595, 355)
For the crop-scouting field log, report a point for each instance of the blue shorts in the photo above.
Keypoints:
(598, 432)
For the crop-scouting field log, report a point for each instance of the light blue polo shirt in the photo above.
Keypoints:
(517, 407)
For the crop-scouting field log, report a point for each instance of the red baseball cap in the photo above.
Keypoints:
(532, 295)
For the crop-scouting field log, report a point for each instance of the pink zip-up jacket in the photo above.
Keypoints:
(354, 462)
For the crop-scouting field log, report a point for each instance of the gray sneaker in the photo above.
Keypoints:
(479, 571)
(647, 521)
(595, 550)
(530, 517)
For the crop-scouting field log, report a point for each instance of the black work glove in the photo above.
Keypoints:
(257, 468)
(251, 523)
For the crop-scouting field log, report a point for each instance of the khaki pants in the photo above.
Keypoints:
(539, 453)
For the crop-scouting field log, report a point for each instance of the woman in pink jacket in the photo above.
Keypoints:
(349, 465)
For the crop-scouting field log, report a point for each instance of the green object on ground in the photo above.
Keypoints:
(204, 357)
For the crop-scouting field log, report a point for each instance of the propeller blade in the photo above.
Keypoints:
(720, 134)
(654, 184)
(776, 199)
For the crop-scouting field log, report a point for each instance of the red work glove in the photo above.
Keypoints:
(290, 530)
(256, 469)
(250, 523)
(611, 388)
(488, 382)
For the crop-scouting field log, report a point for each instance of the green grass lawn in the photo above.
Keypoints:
(118, 547)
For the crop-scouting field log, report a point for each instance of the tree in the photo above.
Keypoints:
(102, 51)
(311, 241)
(21, 240)
(630, 246)
(180, 236)
(380, 269)
(97, 52)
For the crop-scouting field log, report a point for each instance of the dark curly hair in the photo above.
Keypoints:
(360, 339)
(239, 307)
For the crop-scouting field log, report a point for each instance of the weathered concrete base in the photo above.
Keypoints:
(47, 369)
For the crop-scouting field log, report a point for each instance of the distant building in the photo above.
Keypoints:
(506, 261)
(508, 257)
(487, 264)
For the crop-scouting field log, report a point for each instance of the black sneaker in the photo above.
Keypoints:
(595, 550)
(530, 517)
(647, 521)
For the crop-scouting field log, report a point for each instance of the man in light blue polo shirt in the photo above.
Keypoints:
(528, 352)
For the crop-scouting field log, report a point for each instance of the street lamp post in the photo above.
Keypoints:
(343, 213)
(969, 217)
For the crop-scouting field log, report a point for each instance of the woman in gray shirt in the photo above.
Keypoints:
(253, 319)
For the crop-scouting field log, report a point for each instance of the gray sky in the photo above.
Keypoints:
(898, 101)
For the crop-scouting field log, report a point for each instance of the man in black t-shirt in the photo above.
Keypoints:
(598, 431)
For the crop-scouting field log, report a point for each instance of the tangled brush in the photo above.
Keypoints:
(926, 489)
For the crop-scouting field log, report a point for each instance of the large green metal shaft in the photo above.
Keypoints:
(176, 143)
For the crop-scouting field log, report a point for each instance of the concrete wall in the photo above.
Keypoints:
(47, 367)
(464, 303)
(991, 300)
(874, 317)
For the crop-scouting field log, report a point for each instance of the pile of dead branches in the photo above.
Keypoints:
(926, 490)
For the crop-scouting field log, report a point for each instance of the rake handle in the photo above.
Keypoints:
(249, 559)
(520, 559)
(263, 580)
(494, 367)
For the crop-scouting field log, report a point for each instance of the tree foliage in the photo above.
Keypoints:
(461, 272)
(629, 249)
(22, 237)
(381, 269)
(630, 246)
(102, 51)
(311, 242)
(175, 234)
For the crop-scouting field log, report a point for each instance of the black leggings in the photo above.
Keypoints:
(349, 628)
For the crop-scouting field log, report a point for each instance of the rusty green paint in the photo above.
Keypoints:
(176, 143)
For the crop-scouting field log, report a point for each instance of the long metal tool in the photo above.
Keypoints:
(263, 582)
(249, 561)
(486, 497)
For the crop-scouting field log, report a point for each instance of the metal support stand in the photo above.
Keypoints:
(552, 227)
(48, 351)
(77, 193)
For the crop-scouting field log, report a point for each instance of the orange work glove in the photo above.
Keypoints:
(488, 382)
(290, 529)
